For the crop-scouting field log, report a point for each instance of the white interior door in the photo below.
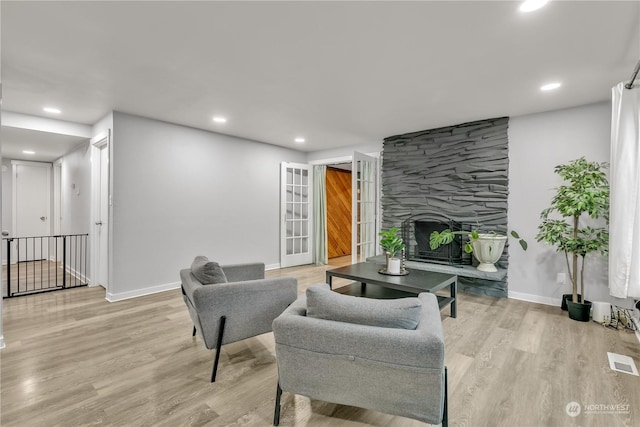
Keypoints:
(295, 210)
(31, 205)
(364, 201)
(101, 217)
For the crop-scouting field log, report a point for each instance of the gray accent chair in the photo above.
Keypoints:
(395, 371)
(242, 308)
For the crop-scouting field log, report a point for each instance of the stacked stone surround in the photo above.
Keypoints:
(457, 172)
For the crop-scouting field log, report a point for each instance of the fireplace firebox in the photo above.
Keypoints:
(416, 232)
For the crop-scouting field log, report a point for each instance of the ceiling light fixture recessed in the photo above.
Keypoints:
(51, 110)
(28, 152)
(531, 5)
(550, 86)
(219, 119)
(299, 140)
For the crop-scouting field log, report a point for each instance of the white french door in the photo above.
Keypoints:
(295, 210)
(364, 202)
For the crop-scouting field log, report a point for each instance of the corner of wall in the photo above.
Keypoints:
(102, 125)
(272, 266)
(114, 297)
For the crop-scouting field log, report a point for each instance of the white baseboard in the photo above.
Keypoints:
(2, 342)
(272, 266)
(113, 297)
(74, 273)
(535, 298)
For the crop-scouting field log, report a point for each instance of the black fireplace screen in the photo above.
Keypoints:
(416, 232)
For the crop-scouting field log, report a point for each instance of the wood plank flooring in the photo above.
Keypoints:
(74, 359)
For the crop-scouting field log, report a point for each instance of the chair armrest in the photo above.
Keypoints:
(422, 347)
(243, 272)
(430, 320)
(249, 307)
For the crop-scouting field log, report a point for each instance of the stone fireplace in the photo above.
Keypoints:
(455, 173)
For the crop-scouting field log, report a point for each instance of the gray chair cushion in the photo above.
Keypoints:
(323, 303)
(207, 272)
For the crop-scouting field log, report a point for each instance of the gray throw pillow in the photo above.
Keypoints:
(207, 272)
(323, 303)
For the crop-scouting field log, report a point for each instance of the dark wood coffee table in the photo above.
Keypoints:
(384, 286)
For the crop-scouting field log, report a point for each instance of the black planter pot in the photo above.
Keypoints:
(579, 311)
(566, 297)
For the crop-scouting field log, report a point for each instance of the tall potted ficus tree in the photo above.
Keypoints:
(584, 195)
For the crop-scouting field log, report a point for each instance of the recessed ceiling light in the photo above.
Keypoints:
(550, 86)
(299, 140)
(531, 5)
(219, 119)
(51, 110)
(28, 152)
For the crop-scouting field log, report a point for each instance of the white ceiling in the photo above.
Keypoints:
(46, 145)
(336, 73)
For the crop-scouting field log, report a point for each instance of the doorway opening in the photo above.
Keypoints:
(339, 210)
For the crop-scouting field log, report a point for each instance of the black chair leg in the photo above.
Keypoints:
(276, 412)
(445, 416)
(223, 319)
(194, 331)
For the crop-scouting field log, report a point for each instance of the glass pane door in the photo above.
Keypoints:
(296, 215)
(363, 176)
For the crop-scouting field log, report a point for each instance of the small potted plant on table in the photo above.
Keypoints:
(392, 244)
(587, 194)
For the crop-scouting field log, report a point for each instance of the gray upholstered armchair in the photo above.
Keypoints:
(390, 360)
(237, 303)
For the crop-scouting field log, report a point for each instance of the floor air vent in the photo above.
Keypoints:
(621, 363)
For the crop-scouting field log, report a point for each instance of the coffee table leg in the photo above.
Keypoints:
(454, 295)
(329, 277)
(363, 287)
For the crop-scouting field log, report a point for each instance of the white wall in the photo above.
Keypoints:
(103, 125)
(76, 191)
(342, 152)
(7, 197)
(538, 143)
(43, 124)
(7, 203)
(179, 192)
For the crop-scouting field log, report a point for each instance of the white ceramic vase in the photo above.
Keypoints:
(393, 266)
(488, 249)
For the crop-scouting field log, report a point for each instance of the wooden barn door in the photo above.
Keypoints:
(338, 185)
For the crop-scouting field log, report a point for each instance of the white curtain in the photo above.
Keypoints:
(320, 255)
(624, 220)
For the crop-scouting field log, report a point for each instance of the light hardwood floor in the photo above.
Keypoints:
(74, 359)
